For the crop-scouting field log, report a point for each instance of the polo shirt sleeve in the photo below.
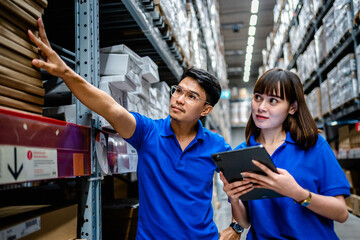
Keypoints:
(333, 181)
(143, 125)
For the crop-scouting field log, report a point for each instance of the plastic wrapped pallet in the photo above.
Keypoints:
(347, 84)
(356, 4)
(176, 17)
(329, 29)
(301, 67)
(325, 98)
(342, 18)
(309, 59)
(317, 5)
(317, 98)
(332, 77)
(294, 37)
(357, 57)
(195, 53)
(287, 53)
(320, 44)
(21, 86)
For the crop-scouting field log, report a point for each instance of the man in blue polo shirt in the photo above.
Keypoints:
(175, 169)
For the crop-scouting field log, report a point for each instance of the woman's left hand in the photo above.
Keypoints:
(282, 182)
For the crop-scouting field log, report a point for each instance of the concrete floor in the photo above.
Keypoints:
(350, 230)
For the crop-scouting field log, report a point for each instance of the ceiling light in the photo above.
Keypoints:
(249, 49)
(248, 56)
(234, 52)
(254, 6)
(251, 41)
(253, 20)
(252, 31)
(234, 69)
(246, 77)
(247, 63)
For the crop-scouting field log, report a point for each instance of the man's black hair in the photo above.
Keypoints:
(207, 81)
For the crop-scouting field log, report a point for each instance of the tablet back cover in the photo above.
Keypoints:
(232, 163)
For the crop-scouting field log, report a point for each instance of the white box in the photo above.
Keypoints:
(150, 70)
(117, 64)
(122, 49)
(122, 82)
(144, 90)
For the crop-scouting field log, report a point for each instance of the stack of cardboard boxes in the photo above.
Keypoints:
(21, 86)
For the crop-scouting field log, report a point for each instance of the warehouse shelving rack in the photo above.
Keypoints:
(349, 113)
(73, 143)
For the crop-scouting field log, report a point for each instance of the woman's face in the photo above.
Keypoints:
(269, 111)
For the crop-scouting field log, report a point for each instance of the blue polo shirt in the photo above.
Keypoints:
(175, 186)
(316, 169)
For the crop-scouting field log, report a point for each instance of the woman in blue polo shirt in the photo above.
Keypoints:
(309, 177)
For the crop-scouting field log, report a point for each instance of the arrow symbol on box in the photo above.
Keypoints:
(15, 173)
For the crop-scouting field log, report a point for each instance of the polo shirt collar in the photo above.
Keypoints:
(287, 139)
(167, 131)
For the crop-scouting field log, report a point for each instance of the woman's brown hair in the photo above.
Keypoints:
(301, 125)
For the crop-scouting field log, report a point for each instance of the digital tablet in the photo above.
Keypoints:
(233, 163)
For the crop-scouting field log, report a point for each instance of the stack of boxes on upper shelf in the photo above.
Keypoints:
(203, 20)
(133, 82)
(21, 86)
(194, 30)
(339, 84)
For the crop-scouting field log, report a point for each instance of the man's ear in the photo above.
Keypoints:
(207, 109)
(293, 108)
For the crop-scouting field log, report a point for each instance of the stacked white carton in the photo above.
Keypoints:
(127, 77)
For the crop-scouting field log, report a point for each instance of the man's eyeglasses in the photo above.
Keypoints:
(190, 97)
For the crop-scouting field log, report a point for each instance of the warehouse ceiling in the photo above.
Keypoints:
(234, 18)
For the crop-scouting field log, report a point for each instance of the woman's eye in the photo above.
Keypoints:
(178, 90)
(257, 98)
(273, 101)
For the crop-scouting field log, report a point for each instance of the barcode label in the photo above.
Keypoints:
(20, 230)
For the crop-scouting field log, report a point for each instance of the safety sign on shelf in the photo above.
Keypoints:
(20, 164)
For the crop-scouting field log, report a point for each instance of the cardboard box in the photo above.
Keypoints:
(355, 204)
(38, 222)
(344, 137)
(119, 219)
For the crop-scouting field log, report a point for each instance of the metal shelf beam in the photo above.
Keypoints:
(154, 36)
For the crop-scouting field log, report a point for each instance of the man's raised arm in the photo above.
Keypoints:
(95, 99)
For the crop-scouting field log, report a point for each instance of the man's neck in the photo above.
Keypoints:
(183, 130)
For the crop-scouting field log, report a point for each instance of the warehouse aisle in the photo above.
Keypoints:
(350, 230)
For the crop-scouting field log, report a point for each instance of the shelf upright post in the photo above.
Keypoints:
(88, 65)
